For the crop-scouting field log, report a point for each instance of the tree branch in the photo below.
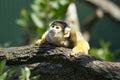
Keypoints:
(31, 53)
(83, 66)
(107, 7)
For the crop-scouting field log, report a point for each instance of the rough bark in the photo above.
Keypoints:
(55, 63)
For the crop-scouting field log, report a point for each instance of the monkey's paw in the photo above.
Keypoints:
(38, 42)
(77, 51)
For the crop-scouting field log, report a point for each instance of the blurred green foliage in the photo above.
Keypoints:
(36, 21)
(5, 71)
(25, 74)
(103, 52)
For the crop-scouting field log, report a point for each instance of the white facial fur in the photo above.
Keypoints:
(56, 31)
(55, 34)
(67, 32)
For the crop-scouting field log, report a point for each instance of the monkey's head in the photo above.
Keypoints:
(59, 29)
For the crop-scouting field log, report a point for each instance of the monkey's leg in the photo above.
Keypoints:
(82, 46)
(42, 40)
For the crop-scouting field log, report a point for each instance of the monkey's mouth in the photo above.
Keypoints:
(52, 33)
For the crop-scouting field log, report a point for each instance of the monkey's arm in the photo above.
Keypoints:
(43, 39)
(81, 46)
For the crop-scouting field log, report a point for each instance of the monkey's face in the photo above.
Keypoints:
(60, 29)
(56, 31)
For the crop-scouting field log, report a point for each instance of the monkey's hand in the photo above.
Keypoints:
(82, 46)
(43, 39)
(38, 42)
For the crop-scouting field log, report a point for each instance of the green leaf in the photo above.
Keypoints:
(11, 70)
(22, 77)
(63, 2)
(36, 20)
(35, 8)
(3, 76)
(40, 30)
(25, 74)
(54, 4)
(35, 77)
(103, 52)
(2, 66)
(21, 22)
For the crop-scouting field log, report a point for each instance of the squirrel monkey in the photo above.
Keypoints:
(61, 34)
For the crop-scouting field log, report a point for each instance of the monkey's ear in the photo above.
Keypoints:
(67, 32)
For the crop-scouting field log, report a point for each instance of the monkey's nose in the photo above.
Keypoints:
(52, 32)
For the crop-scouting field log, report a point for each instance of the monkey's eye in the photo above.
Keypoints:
(52, 26)
(57, 27)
